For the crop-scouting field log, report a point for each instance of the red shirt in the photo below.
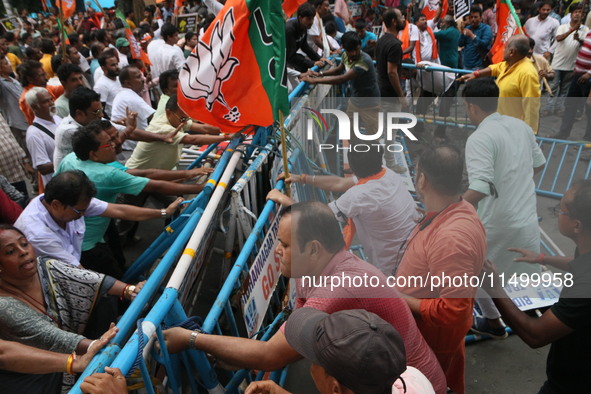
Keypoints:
(380, 299)
(9, 210)
(451, 243)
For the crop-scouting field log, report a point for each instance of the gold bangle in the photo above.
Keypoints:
(129, 290)
(70, 363)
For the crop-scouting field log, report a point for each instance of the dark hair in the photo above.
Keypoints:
(172, 103)
(9, 36)
(317, 3)
(95, 48)
(475, 9)
(360, 24)
(69, 188)
(350, 41)
(73, 39)
(103, 124)
(65, 70)
(189, 35)
(8, 227)
(576, 7)
(168, 30)
(127, 13)
(368, 163)
(390, 16)
(82, 98)
(421, 15)
(28, 70)
(47, 46)
(306, 10)
(482, 92)
(315, 222)
(25, 36)
(107, 54)
(56, 62)
(443, 166)
(100, 35)
(547, 2)
(85, 140)
(580, 207)
(532, 43)
(166, 77)
(125, 73)
(330, 28)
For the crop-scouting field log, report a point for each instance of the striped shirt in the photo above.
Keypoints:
(583, 62)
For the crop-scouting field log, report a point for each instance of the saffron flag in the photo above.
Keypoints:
(507, 27)
(430, 9)
(236, 77)
(177, 6)
(291, 6)
(68, 7)
(134, 46)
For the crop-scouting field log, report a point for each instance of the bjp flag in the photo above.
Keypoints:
(68, 7)
(134, 46)
(291, 6)
(507, 27)
(236, 77)
(430, 9)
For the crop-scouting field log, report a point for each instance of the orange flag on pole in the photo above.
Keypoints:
(508, 25)
(236, 77)
(68, 7)
(291, 6)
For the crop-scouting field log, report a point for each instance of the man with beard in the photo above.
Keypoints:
(108, 85)
(41, 134)
(389, 56)
(542, 29)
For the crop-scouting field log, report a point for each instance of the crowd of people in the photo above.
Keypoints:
(97, 131)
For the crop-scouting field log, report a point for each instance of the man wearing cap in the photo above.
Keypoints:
(358, 353)
(449, 242)
(122, 45)
(311, 246)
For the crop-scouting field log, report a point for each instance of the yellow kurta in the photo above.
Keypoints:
(519, 87)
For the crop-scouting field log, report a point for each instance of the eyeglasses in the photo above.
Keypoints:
(183, 119)
(79, 212)
(98, 112)
(557, 212)
(108, 145)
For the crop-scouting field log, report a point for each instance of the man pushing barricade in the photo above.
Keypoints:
(311, 244)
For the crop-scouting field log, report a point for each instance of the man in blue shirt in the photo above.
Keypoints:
(367, 38)
(476, 41)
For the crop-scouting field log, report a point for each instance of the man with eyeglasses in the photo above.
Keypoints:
(85, 106)
(54, 222)
(565, 326)
(166, 156)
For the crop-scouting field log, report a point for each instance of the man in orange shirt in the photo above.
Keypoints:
(32, 74)
(445, 250)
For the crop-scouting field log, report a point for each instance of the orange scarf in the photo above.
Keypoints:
(404, 36)
(349, 230)
(434, 54)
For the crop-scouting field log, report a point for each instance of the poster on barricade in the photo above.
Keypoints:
(262, 280)
(530, 298)
(186, 22)
(461, 8)
(10, 24)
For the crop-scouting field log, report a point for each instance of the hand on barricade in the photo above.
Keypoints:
(295, 178)
(265, 387)
(111, 381)
(278, 197)
(80, 363)
(176, 338)
(466, 77)
(527, 256)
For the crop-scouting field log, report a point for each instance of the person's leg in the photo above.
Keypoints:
(490, 323)
(570, 110)
(566, 80)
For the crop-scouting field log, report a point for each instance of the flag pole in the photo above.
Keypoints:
(284, 150)
(515, 16)
(62, 29)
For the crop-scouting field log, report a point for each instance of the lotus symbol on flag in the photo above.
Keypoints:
(209, 66)
(510, 28)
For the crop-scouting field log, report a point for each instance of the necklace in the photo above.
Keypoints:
(39, 306)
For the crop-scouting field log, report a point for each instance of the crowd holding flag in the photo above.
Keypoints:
(508, 25)
(136, 50)
(431, 7)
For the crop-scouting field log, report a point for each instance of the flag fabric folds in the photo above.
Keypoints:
(508, 26)
(235, 77)
(68, 7)
(134, 46)
(430, 9)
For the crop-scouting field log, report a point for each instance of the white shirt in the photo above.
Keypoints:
(63, 139)
(384, 215)
(127, 98)
(543, 32)
(566, 50)
(48, 238)
(165, 57)
(108, 89)
(98, 74)
(40, 145)
(83, 63)
(434, 80)
(426, 43)
(122, 59)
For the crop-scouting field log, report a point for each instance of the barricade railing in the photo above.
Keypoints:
(174, 239)
(566, 162)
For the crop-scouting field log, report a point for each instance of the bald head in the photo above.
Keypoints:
(520, 44)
